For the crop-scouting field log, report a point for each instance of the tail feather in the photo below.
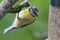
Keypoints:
(8, 29)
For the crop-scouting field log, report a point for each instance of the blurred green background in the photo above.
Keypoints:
(29, 32)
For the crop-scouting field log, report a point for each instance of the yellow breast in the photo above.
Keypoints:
(26, 17)
(25, 14)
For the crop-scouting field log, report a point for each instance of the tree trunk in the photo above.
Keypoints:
(54, 23)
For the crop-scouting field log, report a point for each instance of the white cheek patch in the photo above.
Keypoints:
(31, 12)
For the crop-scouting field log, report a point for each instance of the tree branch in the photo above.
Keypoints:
(6, 6)
(19, 7)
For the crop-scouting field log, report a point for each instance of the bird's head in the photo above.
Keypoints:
(33, 11)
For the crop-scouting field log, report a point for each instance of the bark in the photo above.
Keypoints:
(54, 23)
(6, 6)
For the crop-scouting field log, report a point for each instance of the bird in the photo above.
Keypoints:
(25, 17)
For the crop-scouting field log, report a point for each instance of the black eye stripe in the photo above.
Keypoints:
(34, 11)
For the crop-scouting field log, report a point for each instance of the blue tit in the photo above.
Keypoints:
(24, 17)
